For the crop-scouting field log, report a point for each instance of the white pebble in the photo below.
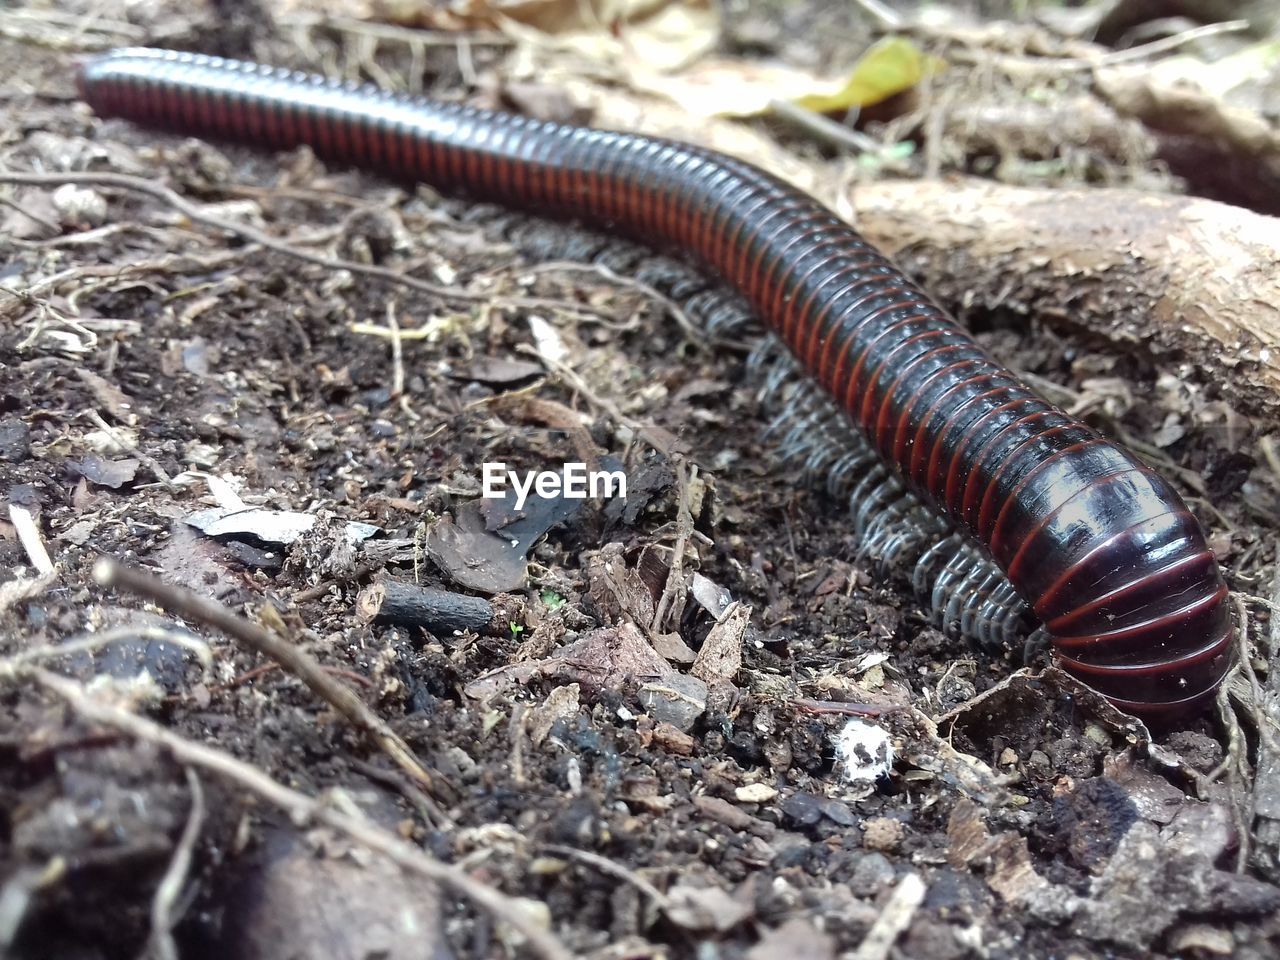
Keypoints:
(864, 751)
(78, 205)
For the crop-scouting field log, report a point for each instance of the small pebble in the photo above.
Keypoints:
(882, 833)
(755, 793)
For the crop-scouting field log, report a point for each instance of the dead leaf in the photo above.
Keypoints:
(543, 101)
(617, 590)
(497, 370)
(733, 87)
(1012, 876)
(712, 597)
(32, 216)
(662, 34)
(610, 657)
(1188, 95)
(485, 547)
(721, 655)
(968, 839)
(673, 648)
(488, 685)
(889, 66)
(730, 87)
(561, 704)
(472, 556)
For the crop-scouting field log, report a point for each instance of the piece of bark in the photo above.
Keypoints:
(407, 604)
(1174, 275)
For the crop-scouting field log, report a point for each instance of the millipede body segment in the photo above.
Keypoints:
(1102, 548)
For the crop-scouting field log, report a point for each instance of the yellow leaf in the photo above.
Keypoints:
(889, 66)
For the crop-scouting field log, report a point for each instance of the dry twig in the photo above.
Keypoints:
(96, 641)
(32, 295)
(882, 13)
(1015, 64)
(29, 536)
(894, 917)
(288, 655)
(163, 916)
(252, 234)
(613, 869)
(299, 806)
(612, 276)
(1165, 44)
(654, 436)
(120, 441)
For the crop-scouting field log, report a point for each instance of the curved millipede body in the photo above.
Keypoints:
(1102, 548)
(960, 589)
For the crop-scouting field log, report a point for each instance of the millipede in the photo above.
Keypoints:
(1099, 547)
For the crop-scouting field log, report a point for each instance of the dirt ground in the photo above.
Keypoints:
(605, 761)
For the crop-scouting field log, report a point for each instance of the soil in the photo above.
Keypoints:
(1018, 817)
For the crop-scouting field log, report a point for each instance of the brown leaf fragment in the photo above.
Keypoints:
(499, 371)
(544, 101)
(562, 703)
(548, 413)
(652, 802)
(721, 655)
(610, 657)
(968, 839)
(1012, 875)
(616, 589)
(489, 685)
(607, 658)
(32, 216)
(109, 395)
(673, 648)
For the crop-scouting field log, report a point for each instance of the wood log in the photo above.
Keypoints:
(1184, 278)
